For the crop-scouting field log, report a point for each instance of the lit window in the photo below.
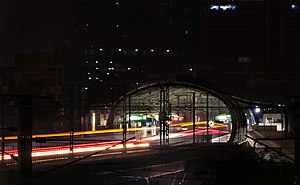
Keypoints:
(101, 49)
(223, 7)
(244, 59)
(96, 61)
(97, 68)
(97, 78)
(90, 78)
(191, 69)
(107, 73)
(152, 50)
(120, 49)
(214, 7)
(111, 62)
(89, 73)
(136, 50)
(128, 68)
(86, 88)
(168, 50)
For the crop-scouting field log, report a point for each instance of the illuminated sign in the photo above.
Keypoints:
(223, 117)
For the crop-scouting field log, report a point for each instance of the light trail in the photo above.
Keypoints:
(80, 148)
(99, 146)
(64, 134)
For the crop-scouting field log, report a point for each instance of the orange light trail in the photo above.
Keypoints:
(63, 134)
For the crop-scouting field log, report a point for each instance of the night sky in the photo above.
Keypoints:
(45, 23)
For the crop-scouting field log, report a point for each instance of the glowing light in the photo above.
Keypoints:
(257, 110)
(120, 49)
(128, 68)
(101, 49)
(223, 7)
(86, 88)
(136, 117)
(214, 7)
(217, 125)
(96, 61)
(211, 123)
(223, 117)
(191, 69)
(89, 147)
(152, 50)
(93, 121)
(168, 50)
(136, 50)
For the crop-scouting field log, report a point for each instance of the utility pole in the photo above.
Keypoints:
(3, 130)
(25, 139)
(71, 121)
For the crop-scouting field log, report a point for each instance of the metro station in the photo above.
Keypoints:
(184, 108)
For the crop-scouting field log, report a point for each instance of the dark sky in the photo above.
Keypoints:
(45, 23)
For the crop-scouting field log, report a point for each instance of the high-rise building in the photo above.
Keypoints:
(120, 44)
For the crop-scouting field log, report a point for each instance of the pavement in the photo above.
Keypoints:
(192, 164)
(276, 140)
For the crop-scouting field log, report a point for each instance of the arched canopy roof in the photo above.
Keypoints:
(235, 105)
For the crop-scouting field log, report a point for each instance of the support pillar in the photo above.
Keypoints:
(3, 131)
(207, 115)
(124, 124)
(296, 118)
(194, 123)
(164, 111)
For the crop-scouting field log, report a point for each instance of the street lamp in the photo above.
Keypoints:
(257, 110)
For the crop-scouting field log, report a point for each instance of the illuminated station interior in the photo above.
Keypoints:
(169, 109)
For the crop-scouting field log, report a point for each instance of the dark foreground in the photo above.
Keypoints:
(206, 164)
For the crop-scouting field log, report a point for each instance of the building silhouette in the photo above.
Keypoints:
(122, 44)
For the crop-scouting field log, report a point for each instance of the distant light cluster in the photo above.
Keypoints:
(223, 7)
(128, 52)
